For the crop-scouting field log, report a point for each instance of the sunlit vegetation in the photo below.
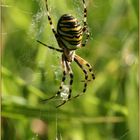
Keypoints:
(31, 72)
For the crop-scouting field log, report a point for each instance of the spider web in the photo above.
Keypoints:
(35, 31)
(37, 18)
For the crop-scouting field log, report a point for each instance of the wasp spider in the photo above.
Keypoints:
(69, 36)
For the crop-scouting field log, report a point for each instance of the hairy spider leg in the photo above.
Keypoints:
(50, 47)
(85, 28)
(70, 83)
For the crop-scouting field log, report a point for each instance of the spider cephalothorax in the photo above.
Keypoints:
(69, 36)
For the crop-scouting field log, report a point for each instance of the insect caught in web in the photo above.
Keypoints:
(69, 36)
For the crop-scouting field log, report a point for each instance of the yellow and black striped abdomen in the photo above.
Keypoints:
(70, 31)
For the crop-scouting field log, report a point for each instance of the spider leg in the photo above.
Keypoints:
(61, 104)
(84, 62)
(71, 78)
(50, 47)
(90, 70)
(80, 61)
(70, 84)
(51, 23)
(62, 81)
(85, 29)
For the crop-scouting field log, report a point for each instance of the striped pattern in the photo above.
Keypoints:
(49, 18)
(50, 21)
(69, 70)
(69, 37)
(85, 63)
(85, 29)
(86, 76)
(85, 13)
(90, 70)
(80, 61)
(70, 31)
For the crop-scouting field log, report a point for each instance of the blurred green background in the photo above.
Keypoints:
(31, 72)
